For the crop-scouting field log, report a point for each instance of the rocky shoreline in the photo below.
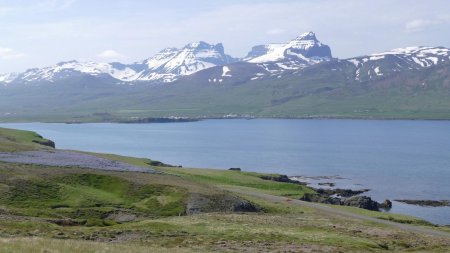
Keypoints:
(427, 203)
(334, 196)
(346, 197)
(327, 193)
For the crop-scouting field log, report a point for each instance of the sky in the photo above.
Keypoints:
(38, 33)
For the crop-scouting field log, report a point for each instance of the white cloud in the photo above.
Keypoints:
(418, 25)
(110, 54)
(7, 53)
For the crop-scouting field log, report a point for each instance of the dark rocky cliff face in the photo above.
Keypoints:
(45, 142)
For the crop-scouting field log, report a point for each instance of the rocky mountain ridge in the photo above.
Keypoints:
(172, 63)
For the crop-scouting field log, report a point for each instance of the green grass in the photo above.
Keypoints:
(78, 194)
(241, 179)
(253, 182)
(228, 232)
(221, 177)
(143, 162)
(52, 209)
(399, 218)
(35, 244)
(87, 196)
(16, 140)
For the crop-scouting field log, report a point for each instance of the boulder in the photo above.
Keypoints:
(387, 204)
(361, 202)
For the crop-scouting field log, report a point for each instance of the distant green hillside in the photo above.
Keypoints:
(326, 90)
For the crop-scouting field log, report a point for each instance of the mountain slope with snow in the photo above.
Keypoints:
(412, 82)
(5, 79)
(207, 63)
(64, 70)
(171, 63)
(276, 58)
(303, 51)
(305, 48)
(166, 66)
(398, 60)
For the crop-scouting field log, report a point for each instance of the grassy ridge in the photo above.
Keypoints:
(89, 197)
(12, 140)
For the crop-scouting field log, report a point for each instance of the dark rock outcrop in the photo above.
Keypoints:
(44, 142)
(361, 202)
(433, 203)
(327, 184)
(345, 197)
(341, 192)
(387, 204)
(159, 164)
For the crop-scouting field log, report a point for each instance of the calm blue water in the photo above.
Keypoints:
(396, 159)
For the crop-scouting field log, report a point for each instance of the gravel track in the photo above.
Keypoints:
(63, 158)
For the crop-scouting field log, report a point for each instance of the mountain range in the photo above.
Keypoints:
(299, 78)
(172, 63)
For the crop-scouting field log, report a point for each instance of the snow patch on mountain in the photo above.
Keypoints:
(395, 60)
(166, 66)
(226, 71)
(7, 78)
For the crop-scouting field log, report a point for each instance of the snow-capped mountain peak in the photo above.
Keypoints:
(166, 66)
(67, 69)
(171, 63)
(304, 48)
(307, 36)
(270, 60)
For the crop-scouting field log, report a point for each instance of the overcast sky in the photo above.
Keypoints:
(36, 33)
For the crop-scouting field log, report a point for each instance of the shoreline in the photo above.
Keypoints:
(378, 195)
(181, 119)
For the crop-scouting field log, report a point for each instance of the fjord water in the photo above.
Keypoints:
(395, 159)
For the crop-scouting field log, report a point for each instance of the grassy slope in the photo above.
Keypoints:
(15, 140)
(33, 197)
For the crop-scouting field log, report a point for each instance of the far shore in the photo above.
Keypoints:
(173, 119)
